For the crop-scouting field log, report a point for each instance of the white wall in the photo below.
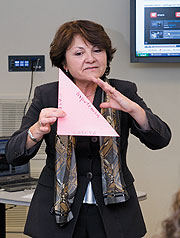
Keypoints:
(28, 27)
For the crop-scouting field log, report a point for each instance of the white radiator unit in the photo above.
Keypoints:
(11, 112)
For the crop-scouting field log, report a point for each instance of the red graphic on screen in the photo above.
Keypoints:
(153, 14)
(177, 14)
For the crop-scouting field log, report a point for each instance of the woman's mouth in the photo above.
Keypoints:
(91, 68)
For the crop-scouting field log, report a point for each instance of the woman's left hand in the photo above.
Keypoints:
(116, 99)
(120, 102)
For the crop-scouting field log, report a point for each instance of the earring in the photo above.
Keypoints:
(107, 70)
(66, 71)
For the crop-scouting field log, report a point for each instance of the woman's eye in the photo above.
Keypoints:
(97, 50)
(78, 53)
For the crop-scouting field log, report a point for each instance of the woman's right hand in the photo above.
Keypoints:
(47, 117)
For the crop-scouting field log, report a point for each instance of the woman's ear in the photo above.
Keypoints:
(65, 68)
(64, 65)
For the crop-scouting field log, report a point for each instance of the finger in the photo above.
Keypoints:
(105, 86)
(50, 116)
(59, 113)
(105, 105)
(99, 82)
(47, 120)
(52, 112)
(45, 129)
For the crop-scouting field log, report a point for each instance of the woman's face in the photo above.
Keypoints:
(84, 60)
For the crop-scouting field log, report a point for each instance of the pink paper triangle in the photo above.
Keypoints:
(82, 118)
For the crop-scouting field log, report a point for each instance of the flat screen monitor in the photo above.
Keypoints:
(155, 31)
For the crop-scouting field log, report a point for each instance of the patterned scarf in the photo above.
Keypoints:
(114, 189)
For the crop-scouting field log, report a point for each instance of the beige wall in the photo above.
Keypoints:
(27, 27)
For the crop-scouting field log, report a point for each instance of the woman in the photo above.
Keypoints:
(101, 200)
(171, 225)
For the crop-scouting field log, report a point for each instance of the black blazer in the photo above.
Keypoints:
(122, 220)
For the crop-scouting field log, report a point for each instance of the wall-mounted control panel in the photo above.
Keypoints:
(22, 63)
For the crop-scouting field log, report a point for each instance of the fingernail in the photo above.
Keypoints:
(63, 114)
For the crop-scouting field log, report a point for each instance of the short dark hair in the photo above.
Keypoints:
(92, 32)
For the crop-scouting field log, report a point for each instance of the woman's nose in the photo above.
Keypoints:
(90, 57)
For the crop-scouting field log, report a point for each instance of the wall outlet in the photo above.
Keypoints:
(22, 63)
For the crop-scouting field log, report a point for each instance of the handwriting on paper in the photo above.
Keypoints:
(84, 100)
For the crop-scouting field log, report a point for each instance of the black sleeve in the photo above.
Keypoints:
(159, 134)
